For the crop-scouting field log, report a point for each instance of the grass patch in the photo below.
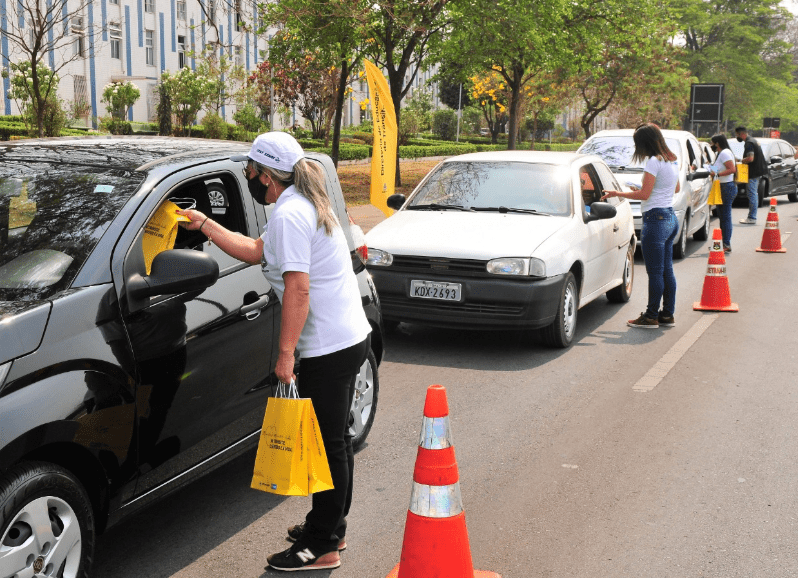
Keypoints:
(356, 180)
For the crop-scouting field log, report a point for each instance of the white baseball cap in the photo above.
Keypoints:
(278, 150)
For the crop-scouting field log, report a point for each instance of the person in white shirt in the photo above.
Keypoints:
(724, 168)
(305, 257)
(660, 184)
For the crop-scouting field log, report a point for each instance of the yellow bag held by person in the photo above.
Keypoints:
(714, 194)
(291, 460)
(742, 173)
(161, 231)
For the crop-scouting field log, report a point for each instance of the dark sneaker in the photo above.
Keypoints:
(666, 320)
(643, 322)
(748, 221)
(302, 557)
(294, 532)
(727, 248)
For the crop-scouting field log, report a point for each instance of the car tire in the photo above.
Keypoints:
(562, 330)
(793, 197)
(761, 193)
(623, 292)
(703, 233)
(680, 248)
(364, 402)
(34, 492)
(217, 196)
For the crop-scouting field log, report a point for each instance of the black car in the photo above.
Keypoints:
(118, 386)
(781, 177)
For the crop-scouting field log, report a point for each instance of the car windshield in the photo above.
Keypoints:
(617, 151)
(51, 217)
(496, 185)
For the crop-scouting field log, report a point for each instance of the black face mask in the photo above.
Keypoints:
(740, 139)
(258, 190)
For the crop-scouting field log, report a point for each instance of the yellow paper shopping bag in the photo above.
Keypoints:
(281, 464)
(160, 232)
(742, 173)
(714, 194)
(319, 476)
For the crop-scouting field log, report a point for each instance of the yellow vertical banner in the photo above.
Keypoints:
(383, 155)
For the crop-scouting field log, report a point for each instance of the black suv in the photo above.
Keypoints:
(118, 386)
(781, 177)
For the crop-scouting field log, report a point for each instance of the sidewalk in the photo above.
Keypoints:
(366, 216)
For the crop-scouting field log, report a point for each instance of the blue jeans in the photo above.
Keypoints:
(752, 190)
(656, 239)
(728, 191)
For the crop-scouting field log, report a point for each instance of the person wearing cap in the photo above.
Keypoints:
(305, 257)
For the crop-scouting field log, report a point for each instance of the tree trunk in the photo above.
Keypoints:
(339, 112)
(515, 105)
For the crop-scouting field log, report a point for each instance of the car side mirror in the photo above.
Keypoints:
(175, 271)
(396, 201)
(600, 210)
(776, 160)
(697, 175)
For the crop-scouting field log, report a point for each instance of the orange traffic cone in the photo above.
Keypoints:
(436, 539)
(771, 237)
(716, 296)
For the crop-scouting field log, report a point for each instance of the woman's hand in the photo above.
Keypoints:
(608, 193)
(196, 217)
(285, 368)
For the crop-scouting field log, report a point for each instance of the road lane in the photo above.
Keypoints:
(564, 469)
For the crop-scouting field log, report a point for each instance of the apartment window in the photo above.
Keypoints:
(149, 5)
(181, 10)
(114, 2)
(237, 7)
(81, 90)
(149, 47)
(239, 59)
(115, 32)
(212, 11)
(79, 44)
(181, 51)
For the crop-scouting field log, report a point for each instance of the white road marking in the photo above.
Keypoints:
(661, 368)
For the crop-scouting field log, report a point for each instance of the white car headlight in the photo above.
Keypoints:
(379, 258)
(517, 266)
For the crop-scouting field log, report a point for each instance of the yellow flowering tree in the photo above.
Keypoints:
(489, 92)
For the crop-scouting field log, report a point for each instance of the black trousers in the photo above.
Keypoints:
(329, 381)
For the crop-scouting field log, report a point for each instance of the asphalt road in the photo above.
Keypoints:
(568, 465)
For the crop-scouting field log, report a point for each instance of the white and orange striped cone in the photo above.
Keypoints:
(435, 543)
(715, 295)
(771, 236)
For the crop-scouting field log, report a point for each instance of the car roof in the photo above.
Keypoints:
(667, 133)
(120, 152)
(538, 157)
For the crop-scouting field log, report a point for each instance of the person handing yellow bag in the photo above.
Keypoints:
(291, 460)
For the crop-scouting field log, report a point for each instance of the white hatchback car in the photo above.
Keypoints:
(616, 147)
(510, 239)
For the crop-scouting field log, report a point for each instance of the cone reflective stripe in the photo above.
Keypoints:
(771, 236)
(715, 295)
(435, 542)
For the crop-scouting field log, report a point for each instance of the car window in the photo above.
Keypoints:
(590, 185)
(218, 197)
(51, 217)
(786, 150)
(485, 184)
(692, 152)
(608, 182)
(617, 151)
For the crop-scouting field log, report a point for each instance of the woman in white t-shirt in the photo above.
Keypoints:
(305, 257)
(660, 183)
(724, 168)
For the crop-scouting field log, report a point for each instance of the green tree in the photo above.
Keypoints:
(740, 45)
(188, 92)
(120, 96)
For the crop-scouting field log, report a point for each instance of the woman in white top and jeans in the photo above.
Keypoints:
(305, 257)
(724, 168)
(660, 183)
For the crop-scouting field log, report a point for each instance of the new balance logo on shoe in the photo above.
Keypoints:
(306, 555)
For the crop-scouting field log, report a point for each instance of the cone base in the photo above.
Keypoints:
(477, 573)
(761, 250)
(734, 308)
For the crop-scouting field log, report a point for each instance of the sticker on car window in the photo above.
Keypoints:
(103, 188)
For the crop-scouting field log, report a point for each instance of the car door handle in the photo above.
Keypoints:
(615, 227)
(252, 310)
